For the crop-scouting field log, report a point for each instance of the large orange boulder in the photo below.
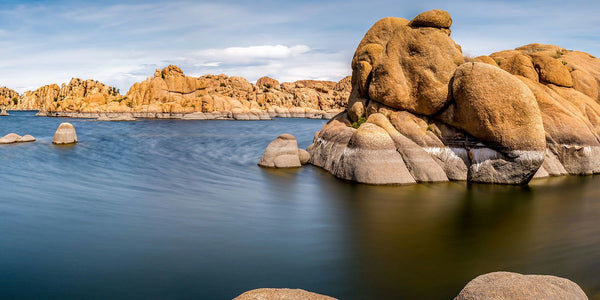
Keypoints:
(406, 67)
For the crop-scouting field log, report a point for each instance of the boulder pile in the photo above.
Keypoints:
(420, 112)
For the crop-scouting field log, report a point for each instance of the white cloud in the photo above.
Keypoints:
(282, 62)
(266, 51)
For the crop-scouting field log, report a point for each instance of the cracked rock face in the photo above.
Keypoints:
(419, 113)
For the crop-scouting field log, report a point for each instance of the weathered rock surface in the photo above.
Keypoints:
(417, 108)
(281, 294)
(396, 65)
(65, 134)
(12, 138)
(8, 96)
(172, 94)
(281, 153)
(506, 285)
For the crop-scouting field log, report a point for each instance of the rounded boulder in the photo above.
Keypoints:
(436, 18)
(280, 294)
(507, 285)
(65, 134)
(281, 153)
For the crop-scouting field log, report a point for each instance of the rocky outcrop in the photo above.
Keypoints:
(8, 97)
(172, 94)
(78, 95)
(281, 294)
(418, 112)
(12, 138)
(281, 153)
(65, 134)
(506, 285)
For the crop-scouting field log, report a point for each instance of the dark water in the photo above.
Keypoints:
(179, 209)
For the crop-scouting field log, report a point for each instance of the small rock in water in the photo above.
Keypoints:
(12, 138)
(65, 134)
(4, 112)
(281, 153)
(27, 138)
(304, 156)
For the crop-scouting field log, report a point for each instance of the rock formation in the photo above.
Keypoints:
(78, 95)
(12, 138)
(506, 285)
(65, 134)
(282, 153)
(418, 112)
(4, 113)
(8, 97)
(281, 294)
(172, 94)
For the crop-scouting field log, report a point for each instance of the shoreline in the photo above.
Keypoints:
(217, 115)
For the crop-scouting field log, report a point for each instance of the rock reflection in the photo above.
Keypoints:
(427, 241)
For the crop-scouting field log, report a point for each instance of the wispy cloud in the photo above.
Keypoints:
(118, 42)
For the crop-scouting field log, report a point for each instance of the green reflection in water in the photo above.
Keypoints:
(429, 240)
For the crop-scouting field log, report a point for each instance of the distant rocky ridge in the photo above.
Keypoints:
(172, 94)
(420, 111)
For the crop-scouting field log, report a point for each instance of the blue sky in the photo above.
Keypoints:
(121, 42)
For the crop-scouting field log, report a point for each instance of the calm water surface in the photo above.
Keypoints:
(179, 209)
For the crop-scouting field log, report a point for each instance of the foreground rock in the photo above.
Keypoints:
(281, 153)
(418, 112)
(15, 138)
(281, 294)
(170, 94)
(506, 285)
(65, 134)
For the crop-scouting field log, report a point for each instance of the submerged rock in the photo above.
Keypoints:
(281, 153)
(507, 285)
(65, 134)
(281, 294)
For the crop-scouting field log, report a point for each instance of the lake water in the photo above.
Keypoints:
(179, 209)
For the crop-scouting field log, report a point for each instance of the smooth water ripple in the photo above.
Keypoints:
(179, 209)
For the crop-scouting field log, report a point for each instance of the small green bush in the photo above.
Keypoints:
(558, 54)
(564, 62)
(222, 84)
(359, 122)
(15, 101)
